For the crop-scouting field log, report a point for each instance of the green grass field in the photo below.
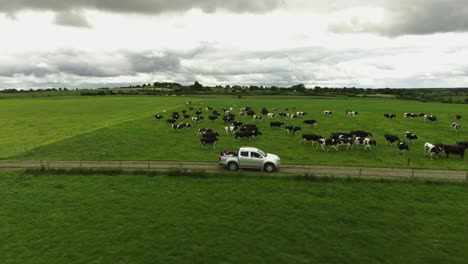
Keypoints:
(140, 219)
(124, 128)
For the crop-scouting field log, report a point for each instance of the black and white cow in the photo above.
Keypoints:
(270, 115)
(336, 135)
(292, 116)
(310, 137)
(411, 136)
(431, 150)
(454, 149)
(351, 113)
(196, 119)
(299, 114)
(205, 130)
(430, 118)
(230, 129)
(236, 123)
(327, 144)
(402, 147)
(389, 138)
(456, 127)
(409, 115)
(310, 122)
(276, 124)
(348, 142)
(292, 129)
(389, 116)
(327, 113)
(364, 141)
(257, 117)
(158, 117)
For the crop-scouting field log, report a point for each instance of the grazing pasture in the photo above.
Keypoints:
(139, 219)
(145, 138)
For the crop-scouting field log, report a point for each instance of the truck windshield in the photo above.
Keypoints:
(263, 153)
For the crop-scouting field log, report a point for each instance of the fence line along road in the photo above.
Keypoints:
(312, 170)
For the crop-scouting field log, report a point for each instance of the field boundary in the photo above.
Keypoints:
(306, 170)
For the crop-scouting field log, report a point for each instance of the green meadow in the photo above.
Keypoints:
(82, 128)
(140, 219)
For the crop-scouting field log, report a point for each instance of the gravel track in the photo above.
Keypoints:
(312, 170)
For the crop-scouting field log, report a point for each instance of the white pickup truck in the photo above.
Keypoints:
(250, 158)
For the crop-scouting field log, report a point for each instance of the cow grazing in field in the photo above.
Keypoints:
(236, 123)
(186, 116)
(212, 117)
(299, 114)
(463, 143)
(292, 129)
(336, 135)
(431, 150)
(409, 115)
(264, 111)
(197, 119)
(205, 130)
(327, 113)
(276, 124)
(348, 142)
(351, 113)
(257, 117)
(310, 122)
(360, 133)
(270, 115)
(171, 121)
(327, 144)
(249, 134)
(389, 116)
(366, 142)
(248, 127)
(430, 118)
(454, 149)
(391, 138)
(456, 127)
(175, 115)
(402, 147)
(208, 141)
(229, 118)
(458, 117)
(230, 129)
(292, 116)
(411, 136)
(310, 137)
(158, 117)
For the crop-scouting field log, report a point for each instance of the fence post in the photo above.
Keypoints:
(80, 163)
(360, 172)
(412, 173)
(148, 166)
(407, 164)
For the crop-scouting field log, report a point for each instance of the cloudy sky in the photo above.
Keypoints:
(335, 43)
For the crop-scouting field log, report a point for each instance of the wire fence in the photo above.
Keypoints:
(307, 170)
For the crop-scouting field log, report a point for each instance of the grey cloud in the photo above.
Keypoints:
(71, 18)
(142, 6)
(146, 63)
(416, 17)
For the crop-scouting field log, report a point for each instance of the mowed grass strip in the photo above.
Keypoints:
(31, 122)
(148, 139)
(138, 219)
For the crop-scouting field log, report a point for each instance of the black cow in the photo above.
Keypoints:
(208, 140)
(391, 138)
(276, 124)
(186, 116)
(246, 134)
(204, 130)
(310, 122)
(248, 127)
(463, 143)
(458, 117)
(389, 116)
(171, 121)
(310, 137)
(454, 149)
(292, 129)
(236, 123)
(360, 133)
(158, 117)
(213, 117)
(402, 147)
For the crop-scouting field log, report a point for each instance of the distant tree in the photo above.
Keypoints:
(197, 86)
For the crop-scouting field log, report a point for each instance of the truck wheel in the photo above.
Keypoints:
(269, 167)
(233, 166)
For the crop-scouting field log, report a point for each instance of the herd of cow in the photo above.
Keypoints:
(335, 141)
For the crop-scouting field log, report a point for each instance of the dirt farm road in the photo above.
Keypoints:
(312, 170)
